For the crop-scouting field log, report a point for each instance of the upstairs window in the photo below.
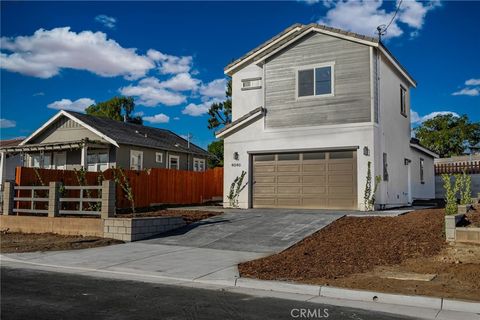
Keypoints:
(316, 81)
(403, 101)
(252, 83)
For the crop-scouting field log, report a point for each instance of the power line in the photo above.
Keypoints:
(382, 29)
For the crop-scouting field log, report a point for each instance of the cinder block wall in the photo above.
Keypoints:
(133, 229)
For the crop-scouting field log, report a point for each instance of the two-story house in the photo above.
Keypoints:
(311, 108)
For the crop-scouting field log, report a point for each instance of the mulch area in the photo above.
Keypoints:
(472, 218)
(13, 242)
(189, 216)
(354, 245)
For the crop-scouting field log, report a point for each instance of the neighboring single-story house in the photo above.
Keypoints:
(311, 108)
(72, 140)
(8, 161)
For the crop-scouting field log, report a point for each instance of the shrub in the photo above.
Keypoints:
(465, 189)
(451, 191)
(235, 188)
(369, 196)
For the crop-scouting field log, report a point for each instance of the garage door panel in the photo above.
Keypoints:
(314, 180)
(289, 179)
(265, 179)
(314, 168)
(288, 168)
(324, 180)
(264, 169)
(289, 189)
(314, 190)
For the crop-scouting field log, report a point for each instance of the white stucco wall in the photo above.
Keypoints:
(393, 138)
(246, 100)
(254, 138)
(427, 189)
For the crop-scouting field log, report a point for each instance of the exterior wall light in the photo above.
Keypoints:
(236, 156)
(366, 151)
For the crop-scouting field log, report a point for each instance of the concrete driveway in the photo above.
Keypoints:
(256, 230)
(207, 251)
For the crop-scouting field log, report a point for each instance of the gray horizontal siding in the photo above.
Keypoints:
(64, 130)
(351, 102)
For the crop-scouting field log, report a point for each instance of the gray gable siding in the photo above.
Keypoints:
(351, 102)
(64, 130)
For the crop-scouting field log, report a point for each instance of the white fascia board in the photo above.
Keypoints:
(424, 150)
(395, 64)
(43, 127)
(234, 127)
(227, 71)
(66, 114)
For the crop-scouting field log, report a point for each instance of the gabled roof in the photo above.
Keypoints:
(10, 142)
(297, 31)
(415, 143)
(117, 132)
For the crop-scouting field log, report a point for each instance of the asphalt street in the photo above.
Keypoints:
(33, 294)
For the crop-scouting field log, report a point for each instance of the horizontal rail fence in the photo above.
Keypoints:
(94, 204)
(469, 167)
(150, 187)
(31, 200)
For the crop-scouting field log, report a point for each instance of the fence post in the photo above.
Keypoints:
(53, 199)
(8, 194)
(108, 199)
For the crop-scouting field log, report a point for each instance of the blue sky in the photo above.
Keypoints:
(170, 55)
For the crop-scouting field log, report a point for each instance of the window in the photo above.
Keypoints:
(41, 160)
(174, 162)
(385, 167)
(288, 156)
(422, 166)
(60, 160)
(253, 83)
(314, 156)
(403, 101)
(315, 81)
(341, 155)
(35, 160)
(265, 157)
(198, 164)
(97, 160)
(158, 157)
(136, 160)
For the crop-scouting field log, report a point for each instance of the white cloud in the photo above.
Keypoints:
(196, 110)
(5, 123)
(176, 118)
(150, 92)
(214, 89)
(158, 118)
(67, 104)
(417, 119)
(169, 64)
(47, 52)
(472, 82)
(107, 21)
(309, 1)
(467, 92)
(139, 114)
(181, 82)
(364, 16)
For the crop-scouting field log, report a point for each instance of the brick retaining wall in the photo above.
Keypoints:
(133, 229)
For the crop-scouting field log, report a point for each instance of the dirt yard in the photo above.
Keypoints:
(364, 253)
(189, 216)
(11, 242)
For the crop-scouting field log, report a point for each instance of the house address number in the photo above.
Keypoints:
(236, 164)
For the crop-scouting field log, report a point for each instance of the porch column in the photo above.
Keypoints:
(3, 166)
(8, 194)
(84, 156)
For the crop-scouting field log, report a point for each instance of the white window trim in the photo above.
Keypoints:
(404, 100)
(199, 160)
(139, 152)
(259, 86)
(330, 64)
(161, 157)
(98, 164)
(170, 156)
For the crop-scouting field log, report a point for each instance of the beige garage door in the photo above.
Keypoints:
(305, 180)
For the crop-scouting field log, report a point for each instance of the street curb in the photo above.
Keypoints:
(362, 295)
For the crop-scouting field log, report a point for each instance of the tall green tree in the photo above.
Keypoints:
(216, 149)
(220, 114)
(448, 135)
(118, 108)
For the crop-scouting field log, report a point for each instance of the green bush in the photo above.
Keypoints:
(451, 191)
(466, 189)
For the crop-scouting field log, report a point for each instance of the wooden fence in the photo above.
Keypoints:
(153, 186)
(469, 167)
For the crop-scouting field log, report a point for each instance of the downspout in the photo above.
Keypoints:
(384, 190)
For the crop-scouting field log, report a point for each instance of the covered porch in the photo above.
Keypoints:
(92, 155)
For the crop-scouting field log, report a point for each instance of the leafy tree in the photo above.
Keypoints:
(216, 149)
(448, 135)
(117, 108)
(221, 112)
